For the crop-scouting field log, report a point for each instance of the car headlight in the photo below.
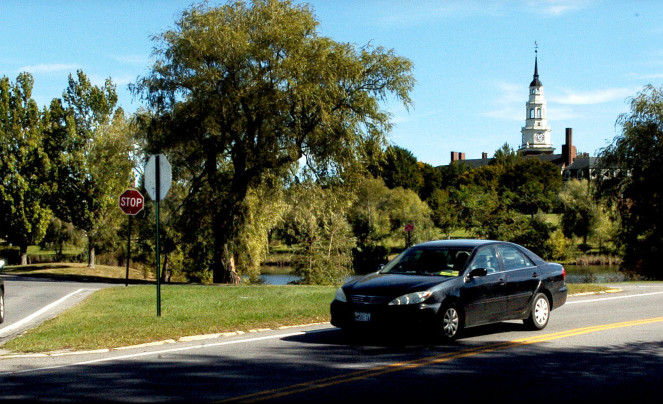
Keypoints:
(340, 295)
(411, 298)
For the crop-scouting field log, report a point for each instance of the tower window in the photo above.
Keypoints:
(538, 112)
(531, 113)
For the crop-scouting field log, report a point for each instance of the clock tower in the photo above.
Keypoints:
(536, 132)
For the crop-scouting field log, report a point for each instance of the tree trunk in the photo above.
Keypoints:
(90, 256)
(164, 268)
(223, 270)
(24, 254)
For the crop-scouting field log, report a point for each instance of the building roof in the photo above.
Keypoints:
(582, 162)
(536, 82)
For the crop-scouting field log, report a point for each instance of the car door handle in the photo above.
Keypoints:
(501, 281)
(535, 275)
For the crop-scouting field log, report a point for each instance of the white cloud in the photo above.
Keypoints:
(594, 97)
(638, 76)
(557, 7)
(49, 68)
(138, 60)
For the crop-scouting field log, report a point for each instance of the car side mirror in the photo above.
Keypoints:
(476, 272)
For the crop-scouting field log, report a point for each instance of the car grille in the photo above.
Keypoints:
(363, 299)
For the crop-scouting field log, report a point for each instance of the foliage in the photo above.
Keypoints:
(24, 167)
(535, 235)
(317, 221)
(266, 208)
(248, 89)
(445, 211)
(630, 177)
(531, 185)
(90, 142)
(400, 169)
(506, 157)
(476, 206)
(580, 212)
(559, 245)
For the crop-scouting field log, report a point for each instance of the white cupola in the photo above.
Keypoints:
(536, 132)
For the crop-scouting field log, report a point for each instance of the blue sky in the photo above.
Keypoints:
(473, 60)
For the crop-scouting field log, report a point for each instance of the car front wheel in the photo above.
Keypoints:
(539, 312)
(450, 323)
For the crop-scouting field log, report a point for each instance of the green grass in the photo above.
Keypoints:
(124, 316)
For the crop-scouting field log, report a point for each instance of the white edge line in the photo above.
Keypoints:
(20, 323)
(613, 297)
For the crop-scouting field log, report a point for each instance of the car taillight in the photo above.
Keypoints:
(563, 273)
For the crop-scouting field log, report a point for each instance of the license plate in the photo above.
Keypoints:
(362, 316)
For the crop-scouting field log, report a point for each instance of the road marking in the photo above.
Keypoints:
(400, 366)
(613, 298)
(5, 331)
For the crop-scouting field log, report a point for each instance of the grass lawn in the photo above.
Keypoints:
(124, 316)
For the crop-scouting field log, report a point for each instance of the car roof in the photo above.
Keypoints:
(458, 243)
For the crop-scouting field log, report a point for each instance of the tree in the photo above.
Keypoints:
(90, 140)
(404, 207)
(530, 185)
(445, 211)
(580, 212)
(24, 167)
(506, 157)
(630, 177)
(317, 220)
(246, 90)
(400, 169)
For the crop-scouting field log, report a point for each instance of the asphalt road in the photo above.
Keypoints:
(600, 348)
(29, 301)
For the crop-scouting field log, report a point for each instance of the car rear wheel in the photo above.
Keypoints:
(450, 322)
(539, 312)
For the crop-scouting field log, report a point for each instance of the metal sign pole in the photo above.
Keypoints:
(158, 198)
(126, 282)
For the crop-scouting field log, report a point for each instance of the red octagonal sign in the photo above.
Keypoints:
(131, 201)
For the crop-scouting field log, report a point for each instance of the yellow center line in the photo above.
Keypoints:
(416, 363)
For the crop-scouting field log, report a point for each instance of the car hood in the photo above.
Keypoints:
(392, 284)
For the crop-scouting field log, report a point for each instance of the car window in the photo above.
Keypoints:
(513, 258)
(429, 261)
(486, 258)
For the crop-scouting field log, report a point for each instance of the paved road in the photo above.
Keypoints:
(29, 301)
(603, 348)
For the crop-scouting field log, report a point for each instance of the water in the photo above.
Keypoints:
(574, 274)
(594, 274)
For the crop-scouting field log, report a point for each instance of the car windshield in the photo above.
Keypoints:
(441, 261)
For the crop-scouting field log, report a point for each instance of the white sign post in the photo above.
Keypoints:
(158, 177)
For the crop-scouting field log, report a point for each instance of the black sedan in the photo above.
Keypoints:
(449, 285)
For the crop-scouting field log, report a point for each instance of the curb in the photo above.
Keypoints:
(151, 344)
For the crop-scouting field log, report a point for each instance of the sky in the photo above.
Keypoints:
(473, 60)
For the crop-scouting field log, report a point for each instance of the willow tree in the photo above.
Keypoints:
(250, 88)
(630, 177)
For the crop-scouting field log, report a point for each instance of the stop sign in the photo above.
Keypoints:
(131, 201)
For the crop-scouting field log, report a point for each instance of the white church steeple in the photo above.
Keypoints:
(536, 132)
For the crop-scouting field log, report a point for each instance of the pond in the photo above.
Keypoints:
(594, 274)
(574, 274)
